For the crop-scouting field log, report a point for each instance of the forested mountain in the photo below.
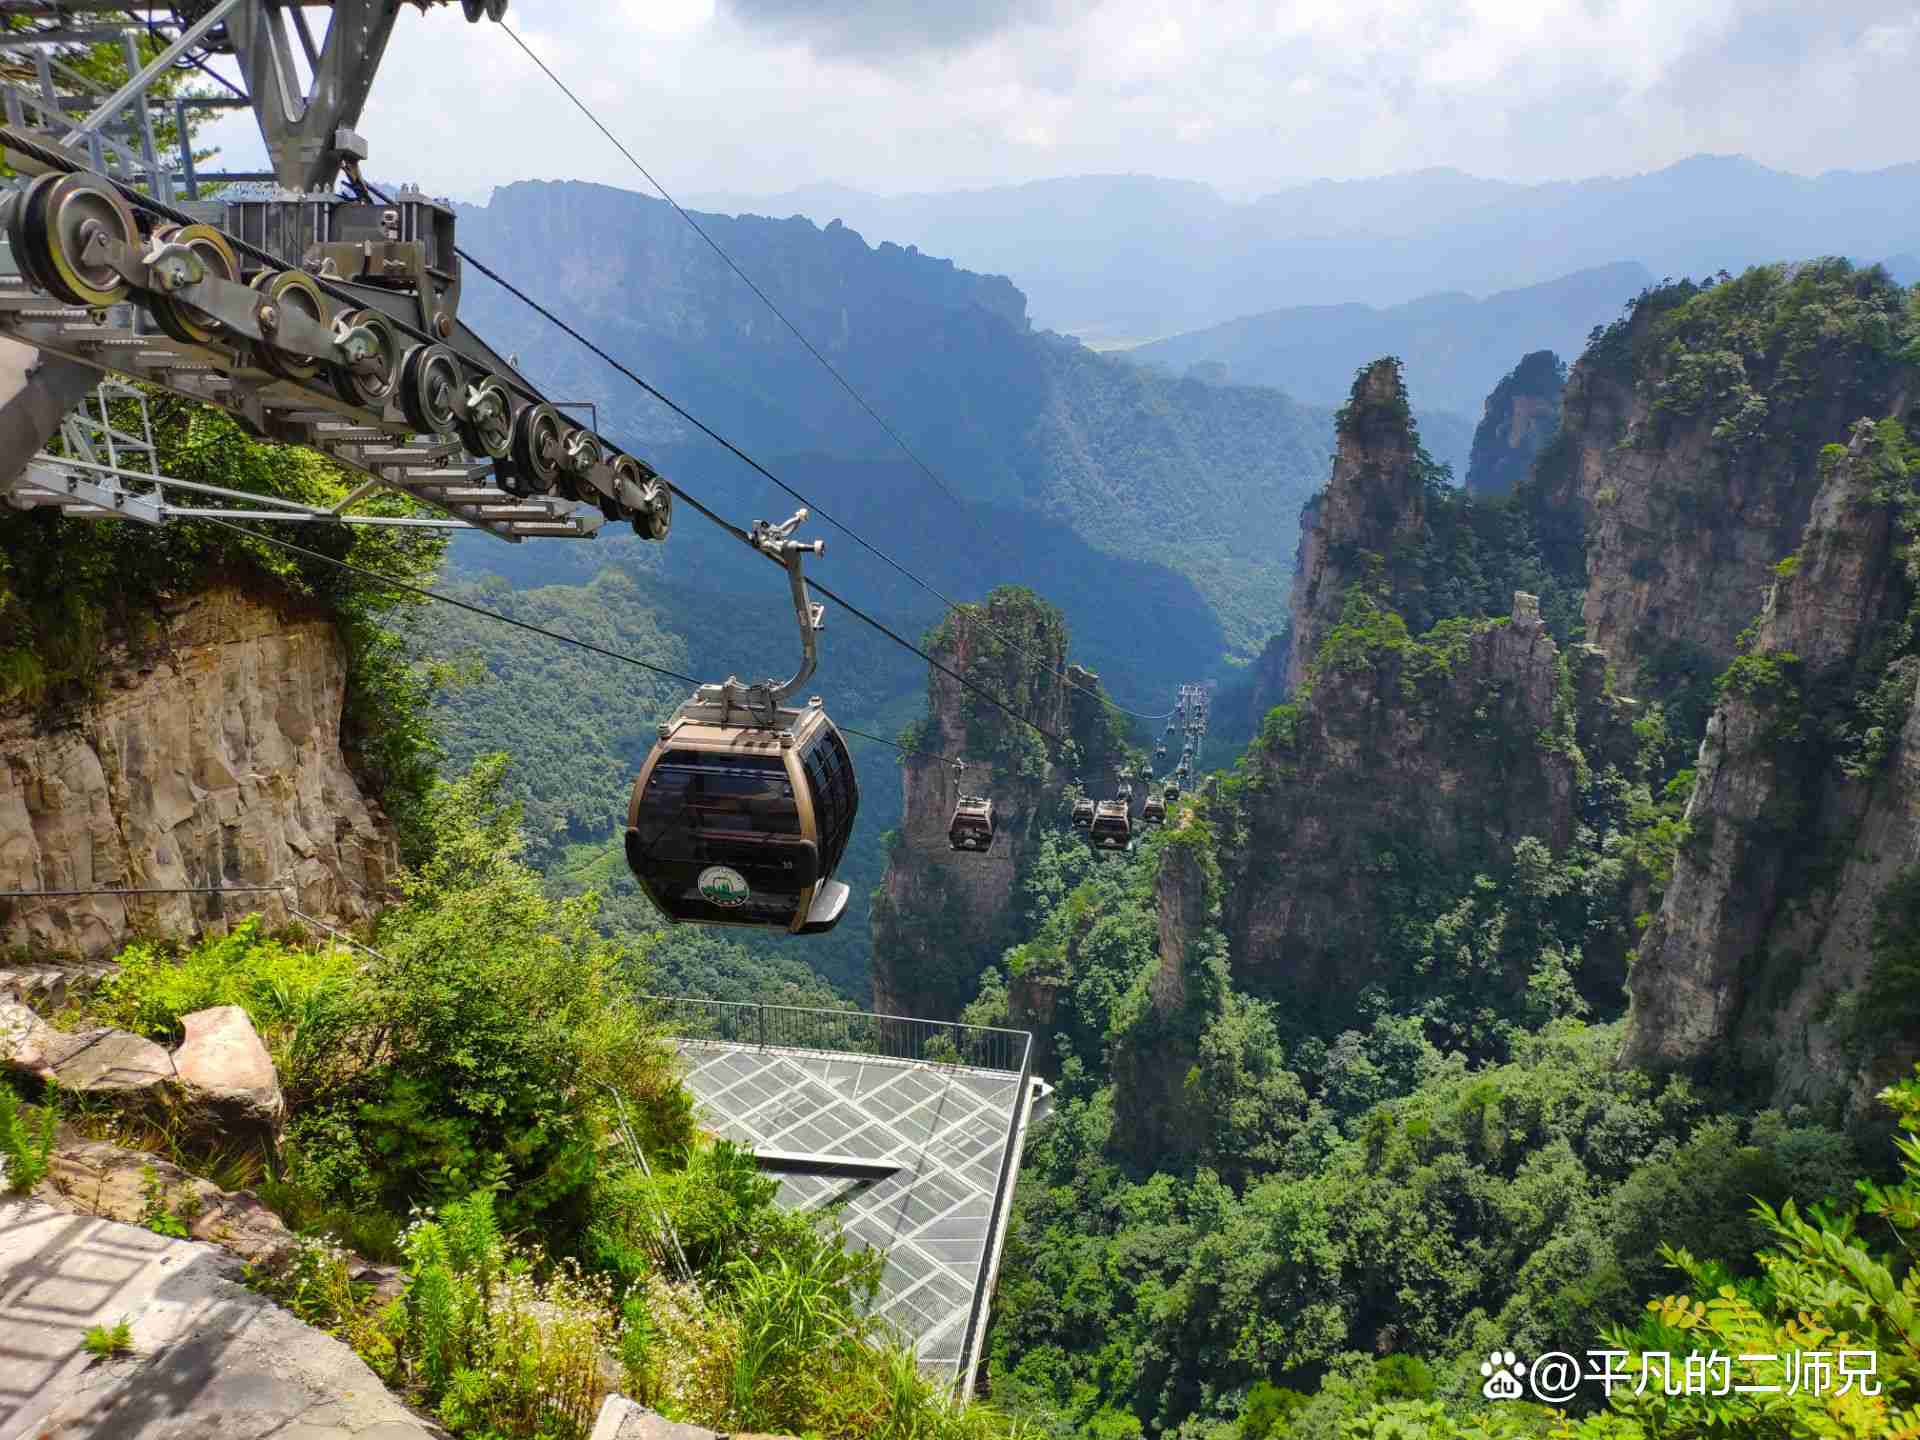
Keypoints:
(1454, 348)
(1194, 478)
(1546, 921)
(1132, 258)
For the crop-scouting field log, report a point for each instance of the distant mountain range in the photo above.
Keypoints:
(1129, 258)
(1163, 497)
(1456, 348)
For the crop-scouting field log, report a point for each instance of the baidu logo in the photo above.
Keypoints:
(1503, 1372)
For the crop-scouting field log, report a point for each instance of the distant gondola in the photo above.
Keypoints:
(1155, 811)
(1082, 814)
(1112, 830)
(972, 824)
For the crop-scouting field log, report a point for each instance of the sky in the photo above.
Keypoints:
(760, 96)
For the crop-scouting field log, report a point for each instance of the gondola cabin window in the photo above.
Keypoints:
(720, 839)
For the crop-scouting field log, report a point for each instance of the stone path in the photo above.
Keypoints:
(212, 1360)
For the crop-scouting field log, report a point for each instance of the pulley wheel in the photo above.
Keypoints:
(537, 455)
(579, 453)
(290, 290)
(487, 430)
(23, 231)
(179, 318)
(69, 210)
(627, 479)
(647, 501)
(369, 382)
(430, 388)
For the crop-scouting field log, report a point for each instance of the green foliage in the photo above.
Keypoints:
(1279, 729)
(1368, 632)
(1823, 1287)
(1890, 1001)
(1770, 678)
(107, 1342)
(503, 1017)
(1411, 1205)
(309, 1003)
(1267, 1410)
(24, 1147)
(490, 1347)
(1756, 353)
(160, 1211)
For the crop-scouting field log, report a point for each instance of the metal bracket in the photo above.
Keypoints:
(775, 542)
(301, 130)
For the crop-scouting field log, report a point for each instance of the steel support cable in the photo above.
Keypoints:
(881, 626)
(601, 650)
(828, 365)
(729, 526)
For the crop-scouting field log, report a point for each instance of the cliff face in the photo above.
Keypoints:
(1691, 433)
(1805, 820)
(941, 916)
(211, 758)
(1158, 1114)
(1439, 756)
(1374, 503)
(1522, 414)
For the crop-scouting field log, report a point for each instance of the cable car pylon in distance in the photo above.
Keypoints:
(742, 810)
(972, 825)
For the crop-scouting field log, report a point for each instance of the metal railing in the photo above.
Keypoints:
(851, 1032)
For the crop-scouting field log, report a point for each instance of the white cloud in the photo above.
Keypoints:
(762, 95)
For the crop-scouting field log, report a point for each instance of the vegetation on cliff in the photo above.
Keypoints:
(1327, 1206)
(1522, 416)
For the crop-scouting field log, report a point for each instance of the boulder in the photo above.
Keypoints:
(622, 1419)
(226, 1075)
(101, 1061)
(23, 1040)
(95, 1178)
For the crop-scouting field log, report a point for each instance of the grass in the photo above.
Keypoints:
(26, 1149)
(104, 1342)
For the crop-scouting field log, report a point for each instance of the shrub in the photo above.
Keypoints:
(493, 1347)
(25, 1151)
(309, 1003)
(502, 1020)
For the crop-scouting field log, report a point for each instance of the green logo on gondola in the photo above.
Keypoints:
(724, 887)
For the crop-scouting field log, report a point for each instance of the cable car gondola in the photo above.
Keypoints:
(1083, 813)
(1155, 811)
(742, 811)
(972, 825)
(1111, 830)
(1173, 790)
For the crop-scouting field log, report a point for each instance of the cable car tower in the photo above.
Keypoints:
(313, 317)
